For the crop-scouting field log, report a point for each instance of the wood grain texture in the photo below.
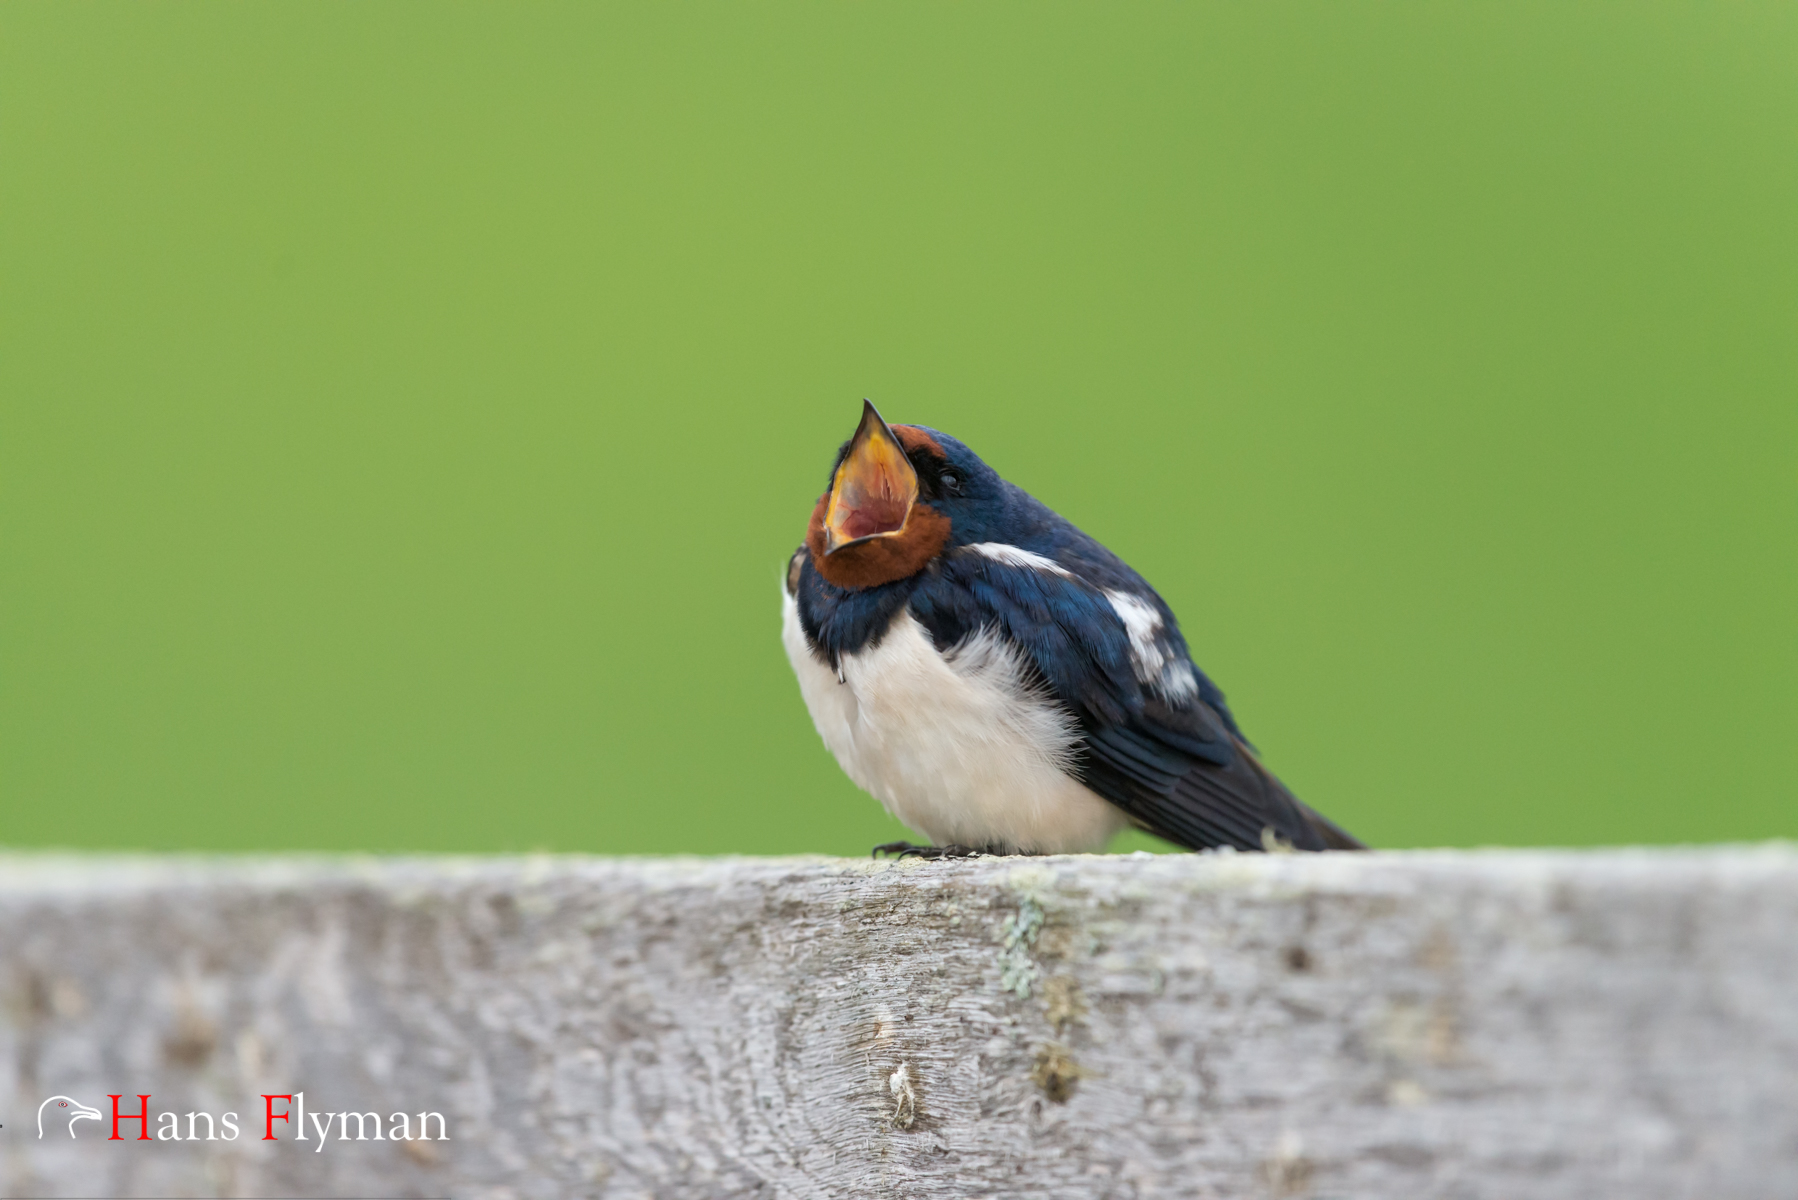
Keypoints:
(1453, 1025)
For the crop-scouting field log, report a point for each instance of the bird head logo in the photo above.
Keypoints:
(68, 1105)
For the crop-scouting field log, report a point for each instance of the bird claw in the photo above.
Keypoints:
(908, 850)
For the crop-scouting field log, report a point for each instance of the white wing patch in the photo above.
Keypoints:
(1141, 622)
(1149, 652)
(1177, 682)
(1016, 556)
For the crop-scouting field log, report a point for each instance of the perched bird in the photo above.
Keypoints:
(999, 680)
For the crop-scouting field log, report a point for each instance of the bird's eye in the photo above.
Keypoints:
(950, 480)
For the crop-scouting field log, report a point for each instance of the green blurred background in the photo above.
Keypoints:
(406, 410)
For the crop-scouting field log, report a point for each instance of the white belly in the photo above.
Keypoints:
(958, 748)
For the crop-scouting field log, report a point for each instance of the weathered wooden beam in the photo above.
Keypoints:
(1500, 1024)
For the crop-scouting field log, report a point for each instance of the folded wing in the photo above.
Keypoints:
(1159, 740)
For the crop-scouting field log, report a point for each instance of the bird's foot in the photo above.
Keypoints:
(907, 850)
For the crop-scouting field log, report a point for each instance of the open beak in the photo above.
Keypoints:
(874, 489)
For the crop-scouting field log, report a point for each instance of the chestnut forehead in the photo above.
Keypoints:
(913, 438)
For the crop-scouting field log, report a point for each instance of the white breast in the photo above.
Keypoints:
(958, 747)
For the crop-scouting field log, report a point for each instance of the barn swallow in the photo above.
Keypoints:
(1000, 681)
